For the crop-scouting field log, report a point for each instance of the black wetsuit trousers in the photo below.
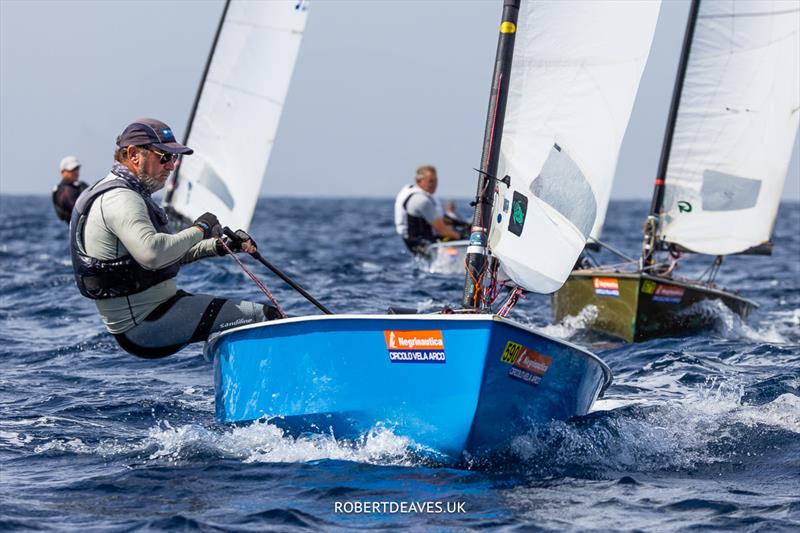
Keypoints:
(186, 318)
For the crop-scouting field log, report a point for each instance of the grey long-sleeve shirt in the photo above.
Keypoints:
(118, 224)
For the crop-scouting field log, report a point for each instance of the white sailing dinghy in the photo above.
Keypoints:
(726, 152)
(237, 109)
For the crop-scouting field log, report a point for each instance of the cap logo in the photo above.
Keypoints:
(167, 133)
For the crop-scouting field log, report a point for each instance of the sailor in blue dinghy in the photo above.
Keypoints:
(126, 260)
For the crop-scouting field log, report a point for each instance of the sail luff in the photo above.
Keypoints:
(170, 189)
(658, 188)
(476, 260)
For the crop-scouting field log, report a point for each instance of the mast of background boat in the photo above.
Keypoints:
(476, 260)
(174, 183)
(651, 224)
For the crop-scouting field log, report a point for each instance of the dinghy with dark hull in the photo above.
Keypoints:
(635, 306)
(728, 142)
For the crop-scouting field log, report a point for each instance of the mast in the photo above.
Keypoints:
(481, 220)
(174, 183)
(651, 224)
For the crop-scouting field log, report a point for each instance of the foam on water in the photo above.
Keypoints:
(570, 325)
(15, 439)
(267, 443)
(705, 426)
(368, 266)
(731, 326)
(443, 263)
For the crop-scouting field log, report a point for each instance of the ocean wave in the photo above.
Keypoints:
(262, 442)
(709, 425)
(568, 326)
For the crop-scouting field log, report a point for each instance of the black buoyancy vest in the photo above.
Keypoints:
(64, 196)
(419, 230)
(100, 279)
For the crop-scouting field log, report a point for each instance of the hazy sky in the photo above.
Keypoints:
(379, 88)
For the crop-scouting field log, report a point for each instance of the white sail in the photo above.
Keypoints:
(238, 112)
(736, 124)
(574, 77)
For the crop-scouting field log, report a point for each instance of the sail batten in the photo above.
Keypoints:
(234, 125)
(735, 128)
(572, 89)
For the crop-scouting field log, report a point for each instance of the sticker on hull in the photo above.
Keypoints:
(668, 294)
(527, 365)
(417, 346)
(523, 376)
(606, 287)
(648, 286)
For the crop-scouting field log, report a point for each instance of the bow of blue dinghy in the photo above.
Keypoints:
(450, 383)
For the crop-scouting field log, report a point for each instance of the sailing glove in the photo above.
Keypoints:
(234, 241)
(209, 224)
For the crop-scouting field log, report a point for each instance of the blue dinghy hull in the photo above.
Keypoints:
(450, 383)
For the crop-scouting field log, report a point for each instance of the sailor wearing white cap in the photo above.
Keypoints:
(66, 193)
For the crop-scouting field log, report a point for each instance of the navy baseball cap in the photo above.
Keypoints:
(149, 131)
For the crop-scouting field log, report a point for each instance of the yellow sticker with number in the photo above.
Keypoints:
(511, 352)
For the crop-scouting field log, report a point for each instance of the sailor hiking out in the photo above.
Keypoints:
(126, 260)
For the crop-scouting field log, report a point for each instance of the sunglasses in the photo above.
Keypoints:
(164, 158)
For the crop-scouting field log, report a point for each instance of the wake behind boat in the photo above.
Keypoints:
(445, 257)
(467, 381)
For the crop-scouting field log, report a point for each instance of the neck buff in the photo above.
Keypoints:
(121, 171)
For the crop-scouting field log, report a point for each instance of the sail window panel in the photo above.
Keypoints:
(210, 179)
(724, 192)
(574, 77)
(735, 129)
(564, 187)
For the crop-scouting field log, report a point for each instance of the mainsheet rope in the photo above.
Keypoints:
(257, 281)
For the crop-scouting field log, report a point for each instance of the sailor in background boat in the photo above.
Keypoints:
(66, 193)
(126, 260)
(419, 218)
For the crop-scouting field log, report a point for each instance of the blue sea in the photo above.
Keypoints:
(697, 432)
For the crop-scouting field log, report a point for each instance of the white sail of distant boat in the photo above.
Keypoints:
(735, 128)
(574, 77)
(233, 128)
